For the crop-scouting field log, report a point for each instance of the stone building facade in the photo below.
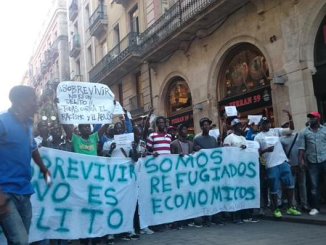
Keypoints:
(49, 63)
(190, 58)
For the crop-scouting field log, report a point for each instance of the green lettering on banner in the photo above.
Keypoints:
(99, 176)
(251, 168)
(62, 188)
(251, 191)
(64, 212)
(154, 183)
(178, 200)
(39, 224)
(203, 176)
(166, 186)
(111, 173)
(92, 196)
(112, 200)
(151, 166)
(58, 169)
(216, 155)
(202, 159)
(216, 173)
(72, 168)
(185, 160)
(92, 213)
(168, 167)
(122, 178)
(119, 214)
(233, 170)
(227, 190)
(85, 172)
(191, 198)
(156, 204)
(132, 172)
(194, 180)
(40, 195)
(202, 197)
(216, 194)
(179, 180)
(225, 171)
(166, 203)
(242, 169)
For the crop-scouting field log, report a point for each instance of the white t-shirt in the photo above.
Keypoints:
(271, 138)
(235, 140)
(117, 152)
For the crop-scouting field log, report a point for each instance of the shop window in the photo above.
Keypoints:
(179, 96)
(244, 70)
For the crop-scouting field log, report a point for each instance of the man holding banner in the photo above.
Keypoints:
(17, 147)
(278, 168)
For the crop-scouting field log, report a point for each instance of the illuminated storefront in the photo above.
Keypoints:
(244, 82)
(179, 104)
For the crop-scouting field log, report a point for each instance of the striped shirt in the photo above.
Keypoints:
(159, 142)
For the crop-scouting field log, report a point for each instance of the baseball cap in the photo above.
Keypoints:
(235, 121)
(205, 119)
(314, 114)
(263, 120)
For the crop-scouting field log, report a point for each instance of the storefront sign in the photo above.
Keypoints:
(255, 99)
(181, 118)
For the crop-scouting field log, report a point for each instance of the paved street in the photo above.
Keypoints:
(264, 232)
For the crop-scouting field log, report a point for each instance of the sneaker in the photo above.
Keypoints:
(251, 220)
(238, 221)
(314, 211)
(134, 236)
(110, 240)
(126, 237)
(293, 212)
(146, 231)
(277, 214)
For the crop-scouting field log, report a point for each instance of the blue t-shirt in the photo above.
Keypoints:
(16, 147)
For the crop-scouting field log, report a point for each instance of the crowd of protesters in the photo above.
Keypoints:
(291, 163)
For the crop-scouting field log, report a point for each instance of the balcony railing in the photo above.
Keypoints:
(73, 10)
(172, 21)
(136, 102)
(114, 57)
(98, 21)
(75, 46)
(78, 78)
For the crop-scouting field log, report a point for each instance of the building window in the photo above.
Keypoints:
(245, 69)
(90, 57)
(87, 14)
(134, 19)
(179, 96)
(104, 48)
(120, 91)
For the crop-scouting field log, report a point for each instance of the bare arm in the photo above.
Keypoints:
(39, 162)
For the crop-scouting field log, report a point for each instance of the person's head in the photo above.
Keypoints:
(172, 130)
(205, 124)
(265, 124)
(85, 130)
(314, 119)
(119, 128)
(42, 128)
(24, 101)
(285, 124)
(110, 131)
(56, 132)
(160, 123)
(182, 130)
(213, 126)
(236, 126)
(138, 132)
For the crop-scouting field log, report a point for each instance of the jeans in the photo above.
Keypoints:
(15, 224)
(315, 170)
